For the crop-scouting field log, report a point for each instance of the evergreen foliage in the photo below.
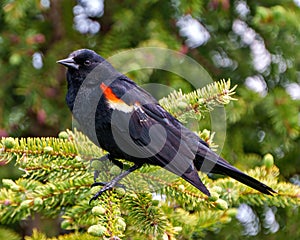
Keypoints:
(57, 174)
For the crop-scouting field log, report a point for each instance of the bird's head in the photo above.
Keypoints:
(83, 60)
(86, 71)
(80, 64)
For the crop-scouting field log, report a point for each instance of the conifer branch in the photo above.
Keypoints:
(57, 174)
(199, 101)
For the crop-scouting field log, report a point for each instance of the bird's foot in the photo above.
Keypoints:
(106, 183)
(106, 186)
(114, 182)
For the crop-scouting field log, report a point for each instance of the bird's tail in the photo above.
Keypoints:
(226, 169)
(220, 166)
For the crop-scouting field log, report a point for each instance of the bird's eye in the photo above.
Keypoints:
(87, 62)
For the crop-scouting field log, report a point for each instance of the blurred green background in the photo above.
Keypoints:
(254, 43)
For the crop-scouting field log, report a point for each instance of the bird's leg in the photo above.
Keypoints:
(105, 158)
(97, 171)
(114, 182)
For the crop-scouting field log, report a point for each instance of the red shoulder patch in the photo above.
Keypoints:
(113, 101)
(109, 94)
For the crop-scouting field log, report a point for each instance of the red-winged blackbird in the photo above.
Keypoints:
(129, 123)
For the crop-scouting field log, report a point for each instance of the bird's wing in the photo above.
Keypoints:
(155, 135)
(179, 145)
(148, 119)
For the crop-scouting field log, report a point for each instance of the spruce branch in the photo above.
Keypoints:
(36, 235)
(57, 175)
(48, 195)
(202, 100)
(141, 210)
(8, 234)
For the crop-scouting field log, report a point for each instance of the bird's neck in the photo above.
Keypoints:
(73, 85)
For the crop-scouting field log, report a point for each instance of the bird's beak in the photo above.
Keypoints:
(69, 62)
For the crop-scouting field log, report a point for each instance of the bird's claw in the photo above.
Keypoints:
(107, 183)
(113, 182)
(106, 186)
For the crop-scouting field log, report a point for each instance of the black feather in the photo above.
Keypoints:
(147, 134)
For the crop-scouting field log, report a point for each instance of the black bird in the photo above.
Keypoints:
(129, 124)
